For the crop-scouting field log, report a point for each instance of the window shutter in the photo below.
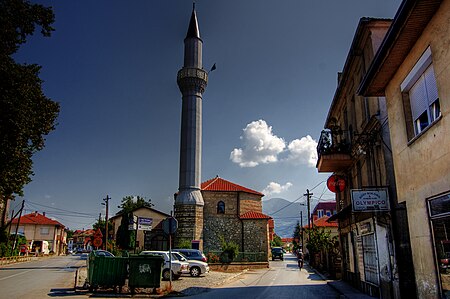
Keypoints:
(418, 98)
(431, 86)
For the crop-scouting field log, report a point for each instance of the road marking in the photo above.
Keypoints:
(14, 275)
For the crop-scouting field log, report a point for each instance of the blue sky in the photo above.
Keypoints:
(112, 66)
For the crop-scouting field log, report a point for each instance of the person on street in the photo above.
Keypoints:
(300, 259)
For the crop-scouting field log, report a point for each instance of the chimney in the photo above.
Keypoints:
(43, 213)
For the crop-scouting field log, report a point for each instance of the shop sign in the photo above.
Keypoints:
(336, 183)
(365, 228)
(370, 200)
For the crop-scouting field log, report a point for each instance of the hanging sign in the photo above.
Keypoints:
(370, 200)
(336, 183)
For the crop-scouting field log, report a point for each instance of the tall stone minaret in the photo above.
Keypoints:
(192, 80)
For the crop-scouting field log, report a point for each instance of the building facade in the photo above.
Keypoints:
(355, 147)
(44, 235)
(412, 70)
(150, 238)
(234, 213)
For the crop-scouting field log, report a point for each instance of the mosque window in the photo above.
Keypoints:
(220, 207)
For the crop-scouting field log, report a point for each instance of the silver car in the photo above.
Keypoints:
(196, 268)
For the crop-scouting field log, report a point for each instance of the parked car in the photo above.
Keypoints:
(196, 268)
(103, 253)
(178, 267)
(192, 254)
(277, 252)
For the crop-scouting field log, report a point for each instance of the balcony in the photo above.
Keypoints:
(333, 152)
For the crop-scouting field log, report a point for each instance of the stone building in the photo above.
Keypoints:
(355, 146)
(235, 213)
(412, 70)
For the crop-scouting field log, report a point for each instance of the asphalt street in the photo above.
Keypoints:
(282, 280)
(39, 278)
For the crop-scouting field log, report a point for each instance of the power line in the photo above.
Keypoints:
(72, 212)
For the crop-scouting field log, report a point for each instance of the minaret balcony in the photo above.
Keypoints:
(192, 78)
(333, 155)
(192, 73)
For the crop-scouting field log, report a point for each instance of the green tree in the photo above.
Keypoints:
(125, 237)
(26, 114)
(320, 239)
(297, 236)
(276, 242)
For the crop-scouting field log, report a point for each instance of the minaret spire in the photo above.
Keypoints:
(192, 80)
(193, 25)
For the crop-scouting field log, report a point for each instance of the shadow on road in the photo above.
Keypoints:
(285, 291)
(66, 292)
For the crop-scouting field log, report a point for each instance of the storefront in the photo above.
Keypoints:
(439, 212)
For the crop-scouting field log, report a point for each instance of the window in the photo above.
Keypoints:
(44, 230)
(421, 90)
(328, 213)
(220, 207)
(319, 213)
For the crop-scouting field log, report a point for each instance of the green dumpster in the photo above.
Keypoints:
(145, 272)
(106, 271)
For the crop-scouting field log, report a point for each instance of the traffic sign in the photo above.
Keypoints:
(145, 223)
(170, 225)
(97, 242)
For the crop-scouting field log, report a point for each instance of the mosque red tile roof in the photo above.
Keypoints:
(36, 218)
(219, 184)
(254, 215)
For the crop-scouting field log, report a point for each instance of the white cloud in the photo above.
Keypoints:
(303, 151)
(260, 145)
(275, 188)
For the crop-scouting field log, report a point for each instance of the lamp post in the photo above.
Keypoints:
(106, 203)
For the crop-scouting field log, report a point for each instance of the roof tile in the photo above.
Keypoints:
(254, 215)
(36, 218)
(219, 184)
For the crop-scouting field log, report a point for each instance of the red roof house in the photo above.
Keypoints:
(39, 229)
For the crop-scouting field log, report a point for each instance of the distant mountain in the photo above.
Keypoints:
(285, 215)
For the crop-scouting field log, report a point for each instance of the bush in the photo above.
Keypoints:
(229, 250)
(212, 258)
(184, 244)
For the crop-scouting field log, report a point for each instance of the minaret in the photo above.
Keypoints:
(192, 80)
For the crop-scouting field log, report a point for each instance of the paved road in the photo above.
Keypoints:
(40, 278)
(282, 280)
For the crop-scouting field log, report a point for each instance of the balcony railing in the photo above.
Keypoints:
(333, 152)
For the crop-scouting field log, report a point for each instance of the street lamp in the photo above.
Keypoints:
(106, 203)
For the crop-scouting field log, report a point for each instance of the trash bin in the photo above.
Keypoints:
(106, 271)
(145, 272)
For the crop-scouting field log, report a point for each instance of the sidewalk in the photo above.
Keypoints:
(345, 289)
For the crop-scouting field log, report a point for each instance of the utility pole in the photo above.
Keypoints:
(308, 196)
(301, 226)
(106, 200)
(17, 227)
